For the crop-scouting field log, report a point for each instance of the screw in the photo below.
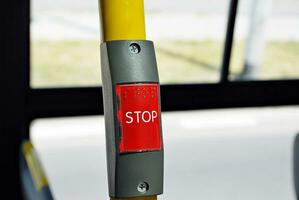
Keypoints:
(143, 187)
(134, 48)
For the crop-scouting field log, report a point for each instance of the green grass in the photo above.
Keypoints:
(77, 63)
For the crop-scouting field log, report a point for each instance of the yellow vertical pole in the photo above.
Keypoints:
(122, 20)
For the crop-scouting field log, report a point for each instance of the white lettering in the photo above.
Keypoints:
(139, 116)
(128, 115)
(154, 115)
(149, 116)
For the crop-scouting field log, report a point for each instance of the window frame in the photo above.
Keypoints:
(78, 101)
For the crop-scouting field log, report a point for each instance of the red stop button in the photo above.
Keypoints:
(139, 117)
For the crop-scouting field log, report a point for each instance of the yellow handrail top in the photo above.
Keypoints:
(122, 20)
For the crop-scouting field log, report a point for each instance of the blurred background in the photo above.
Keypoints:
(229, 154)
(189, 37)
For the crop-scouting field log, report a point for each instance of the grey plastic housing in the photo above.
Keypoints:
(126, 171)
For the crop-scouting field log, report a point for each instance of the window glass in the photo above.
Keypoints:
(65, 36)
(64, 43)
(189, 37)
(266, 44)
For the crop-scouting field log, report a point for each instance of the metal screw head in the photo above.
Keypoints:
(134, 48)
(143, 187)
